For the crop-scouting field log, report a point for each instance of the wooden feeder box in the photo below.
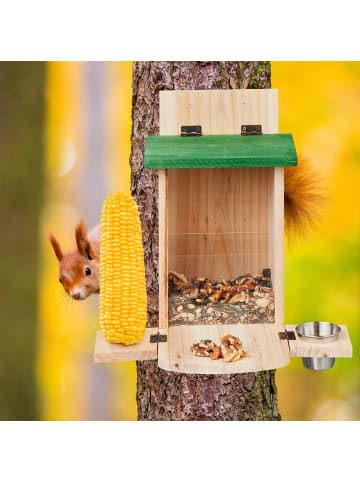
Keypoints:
(220, 163)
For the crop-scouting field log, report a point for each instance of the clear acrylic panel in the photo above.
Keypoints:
(219, 246)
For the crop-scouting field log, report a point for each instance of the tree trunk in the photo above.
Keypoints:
(163, 395)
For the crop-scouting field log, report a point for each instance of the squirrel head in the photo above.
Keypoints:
(79, 270)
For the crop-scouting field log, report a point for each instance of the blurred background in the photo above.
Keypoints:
(64, 145)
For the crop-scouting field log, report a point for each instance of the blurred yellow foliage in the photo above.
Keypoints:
(319, 103)
(66, 377)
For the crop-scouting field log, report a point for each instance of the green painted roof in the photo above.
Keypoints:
(166, 152)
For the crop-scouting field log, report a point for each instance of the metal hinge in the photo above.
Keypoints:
(191, 131)
(158, 338)
(251, 130)
(287, 335)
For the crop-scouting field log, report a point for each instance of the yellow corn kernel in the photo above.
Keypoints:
(123, 301)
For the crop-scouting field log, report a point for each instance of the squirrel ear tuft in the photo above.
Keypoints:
(82, 242)
(56, 246)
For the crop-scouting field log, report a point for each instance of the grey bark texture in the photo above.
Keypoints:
(163, 395)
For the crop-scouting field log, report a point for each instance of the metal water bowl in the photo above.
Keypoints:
(318, 332)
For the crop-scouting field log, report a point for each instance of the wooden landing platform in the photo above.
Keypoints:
(265, 349)
(112, 352)
(341, 348)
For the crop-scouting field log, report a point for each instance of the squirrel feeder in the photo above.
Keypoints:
(220, 163)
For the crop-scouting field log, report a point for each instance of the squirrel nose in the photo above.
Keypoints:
(76, 296)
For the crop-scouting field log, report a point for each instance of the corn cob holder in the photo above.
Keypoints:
(123, 303)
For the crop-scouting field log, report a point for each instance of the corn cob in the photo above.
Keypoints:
(123, 302)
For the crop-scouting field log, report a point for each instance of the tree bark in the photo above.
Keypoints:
(163, 395)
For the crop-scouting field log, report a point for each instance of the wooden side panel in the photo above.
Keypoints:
(163, 249)
(265, 349)
(112, 352)
(341, 348)
(276, 241)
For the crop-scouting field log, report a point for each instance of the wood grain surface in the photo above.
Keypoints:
(265, 349)
(218, 221)
(112, 352)
(341, 348)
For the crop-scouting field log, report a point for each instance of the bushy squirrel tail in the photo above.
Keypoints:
(303, 199)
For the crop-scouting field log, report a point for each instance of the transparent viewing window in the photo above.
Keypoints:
(219, 247)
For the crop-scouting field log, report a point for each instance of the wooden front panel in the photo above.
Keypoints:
(265, 350)
(218, 221)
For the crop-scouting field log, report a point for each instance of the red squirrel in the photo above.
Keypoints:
(80, 269)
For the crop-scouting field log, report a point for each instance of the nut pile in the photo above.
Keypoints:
(230, 349)
(246, 299)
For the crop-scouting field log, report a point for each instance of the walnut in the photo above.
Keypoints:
(237, 298)
(216, 353)
(245, 280)
(194, 291)
(207, 344)
(199, 351)
(207, 288)
(206, 348)
(228, 292)
(198, 281)
(228, 353)
(231, 348)
(180, 282)
(231, 340)
(231, 355)
(236, 356)
(215, 296)
(251, 284)
(177, 277)
(239, 283)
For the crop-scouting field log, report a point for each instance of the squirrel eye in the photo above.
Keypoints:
(60, 280)
(87, 271)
